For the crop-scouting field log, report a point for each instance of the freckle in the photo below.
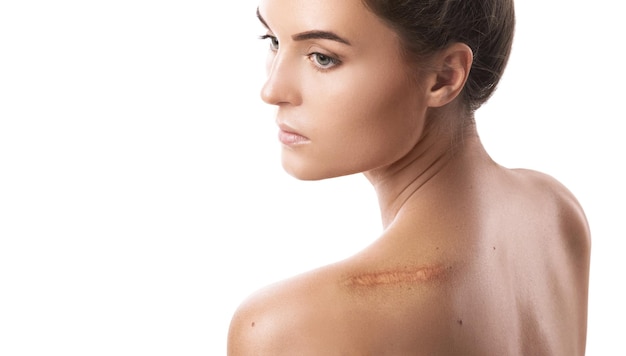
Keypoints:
(253, 324)
(494, 248)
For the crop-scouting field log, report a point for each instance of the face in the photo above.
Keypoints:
(346, 103)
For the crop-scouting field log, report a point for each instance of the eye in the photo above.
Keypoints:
(273, 41)
(323, 61)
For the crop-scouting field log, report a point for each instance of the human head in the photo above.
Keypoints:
(337, 77)
(347, 101)
(427, 26)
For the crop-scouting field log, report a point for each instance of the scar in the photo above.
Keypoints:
(399, 276)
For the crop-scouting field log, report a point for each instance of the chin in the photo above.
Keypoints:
(305, 174)
(312, 173)
(312, 168)
(299, 168)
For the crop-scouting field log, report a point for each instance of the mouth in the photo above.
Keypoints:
(290, 137)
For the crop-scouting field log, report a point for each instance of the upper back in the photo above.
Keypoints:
(523, 285)
(511, 280)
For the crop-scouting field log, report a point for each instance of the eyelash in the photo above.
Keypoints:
(273, 41)
(314, 57)
(334, 62)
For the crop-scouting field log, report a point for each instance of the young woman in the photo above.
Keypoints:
(475, 259)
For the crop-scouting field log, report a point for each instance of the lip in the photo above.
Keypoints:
(289, 136)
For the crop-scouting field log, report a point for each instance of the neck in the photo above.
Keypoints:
(442, 151)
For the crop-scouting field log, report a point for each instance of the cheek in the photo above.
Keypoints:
(379, 114)
(357, 122)
(356, 130)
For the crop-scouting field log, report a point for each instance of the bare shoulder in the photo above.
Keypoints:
(338, 310)
(262, 320)
(286, 317)
(562, 204)
(549, 228)
(244, 337)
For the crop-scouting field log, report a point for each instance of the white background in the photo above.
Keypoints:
(141, 193)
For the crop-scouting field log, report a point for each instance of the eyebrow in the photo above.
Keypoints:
(258, 15)
(309, 35)
(321, 35)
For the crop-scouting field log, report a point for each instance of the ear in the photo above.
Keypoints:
(451, 69)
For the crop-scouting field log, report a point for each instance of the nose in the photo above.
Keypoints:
(281, 86)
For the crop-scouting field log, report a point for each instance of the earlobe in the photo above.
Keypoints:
(453, 66)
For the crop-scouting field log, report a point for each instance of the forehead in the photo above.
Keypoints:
(348, 18)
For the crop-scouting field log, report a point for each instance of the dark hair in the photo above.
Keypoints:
(427, 26)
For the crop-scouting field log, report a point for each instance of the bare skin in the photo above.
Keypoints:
(475, 259)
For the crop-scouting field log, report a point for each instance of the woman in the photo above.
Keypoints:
(474, 259)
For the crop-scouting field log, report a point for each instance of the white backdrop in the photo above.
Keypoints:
(141, 194)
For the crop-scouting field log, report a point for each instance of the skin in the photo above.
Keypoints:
(475, 259)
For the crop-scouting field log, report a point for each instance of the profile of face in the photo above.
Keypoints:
(346, 102)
